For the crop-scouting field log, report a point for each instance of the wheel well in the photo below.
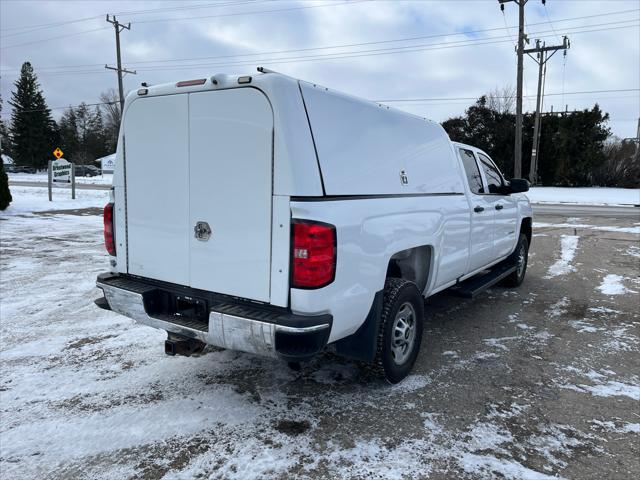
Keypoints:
(526, 228)
(413, 264)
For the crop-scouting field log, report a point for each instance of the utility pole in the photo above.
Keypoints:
(119, 27)
(542, 56)
(637, 155)
(522, 38)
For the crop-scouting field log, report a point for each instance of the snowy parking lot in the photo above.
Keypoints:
(534, 383)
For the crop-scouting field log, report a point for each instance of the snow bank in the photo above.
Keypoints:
(27, 200)
(585, 195)
(601, 228)
(105, 179)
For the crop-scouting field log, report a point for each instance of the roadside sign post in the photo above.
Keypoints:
(73, 182)
(60, 170)
(50, 176)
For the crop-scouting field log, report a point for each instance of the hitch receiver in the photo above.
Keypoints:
(175, 345)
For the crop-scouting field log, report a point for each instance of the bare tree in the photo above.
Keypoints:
(112, 116)
(502, 100)
(621, 166)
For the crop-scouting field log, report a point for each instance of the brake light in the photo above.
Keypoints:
(191, 83)
(109, 241)
(313, 254)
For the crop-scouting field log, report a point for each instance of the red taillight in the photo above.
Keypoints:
(191, 83)
(109, 241)
(313, 254)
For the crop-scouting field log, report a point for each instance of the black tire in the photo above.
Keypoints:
(516, 278)
(393, 362)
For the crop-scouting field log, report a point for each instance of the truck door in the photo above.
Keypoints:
(156, 142)
(482, 214)
(504, 206)
(230, 151)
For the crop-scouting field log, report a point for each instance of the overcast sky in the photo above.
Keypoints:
(442, 51)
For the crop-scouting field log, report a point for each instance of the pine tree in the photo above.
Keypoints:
(97, 142)
(32, 128)
(5, 194)
(68, 132)
(5, 139)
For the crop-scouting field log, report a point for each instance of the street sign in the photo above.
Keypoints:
(58, 153)
(61, 170)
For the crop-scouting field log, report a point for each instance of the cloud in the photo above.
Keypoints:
(601, 60)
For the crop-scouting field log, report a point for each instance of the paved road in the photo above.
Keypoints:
(587, 210)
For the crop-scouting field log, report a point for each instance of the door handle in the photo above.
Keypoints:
(478, 209)
(499, 206)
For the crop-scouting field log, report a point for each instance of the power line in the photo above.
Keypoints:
(349, 45)
(345, 2)
(171, 19)
(407, 100)
(338, 55)
(357, 54)
(57, 37)
(196, 6)
(51, 25)
(503, 96)
(315, 58)
(33, 28)
(546, 13)
(620, 12)
(254, 12)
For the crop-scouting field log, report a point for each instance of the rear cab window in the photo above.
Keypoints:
(472, 171)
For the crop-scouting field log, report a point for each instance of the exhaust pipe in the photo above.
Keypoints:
(183, 346)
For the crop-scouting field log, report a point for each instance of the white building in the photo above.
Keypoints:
(108, 163)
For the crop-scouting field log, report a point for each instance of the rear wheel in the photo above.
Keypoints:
(519, 257)
(400, 332)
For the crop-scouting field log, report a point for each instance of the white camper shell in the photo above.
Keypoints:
(218, 180)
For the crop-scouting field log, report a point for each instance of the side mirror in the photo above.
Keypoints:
(518, 185)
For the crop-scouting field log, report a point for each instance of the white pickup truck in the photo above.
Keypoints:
(274, 216)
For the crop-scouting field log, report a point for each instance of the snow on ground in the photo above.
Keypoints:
(86, 393)
(105, 179)
(569, 245)
(612, 285)
(585, 195)
(609, 389)
(36, 199)
(611, 426)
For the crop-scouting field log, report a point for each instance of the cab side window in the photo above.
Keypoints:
(495, 182)
(472, 171)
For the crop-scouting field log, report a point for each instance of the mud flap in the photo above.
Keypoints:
(362, 344)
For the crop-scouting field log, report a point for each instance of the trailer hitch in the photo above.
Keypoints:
(176, 345)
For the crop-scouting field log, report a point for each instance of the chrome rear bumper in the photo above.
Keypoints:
(225, 330)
